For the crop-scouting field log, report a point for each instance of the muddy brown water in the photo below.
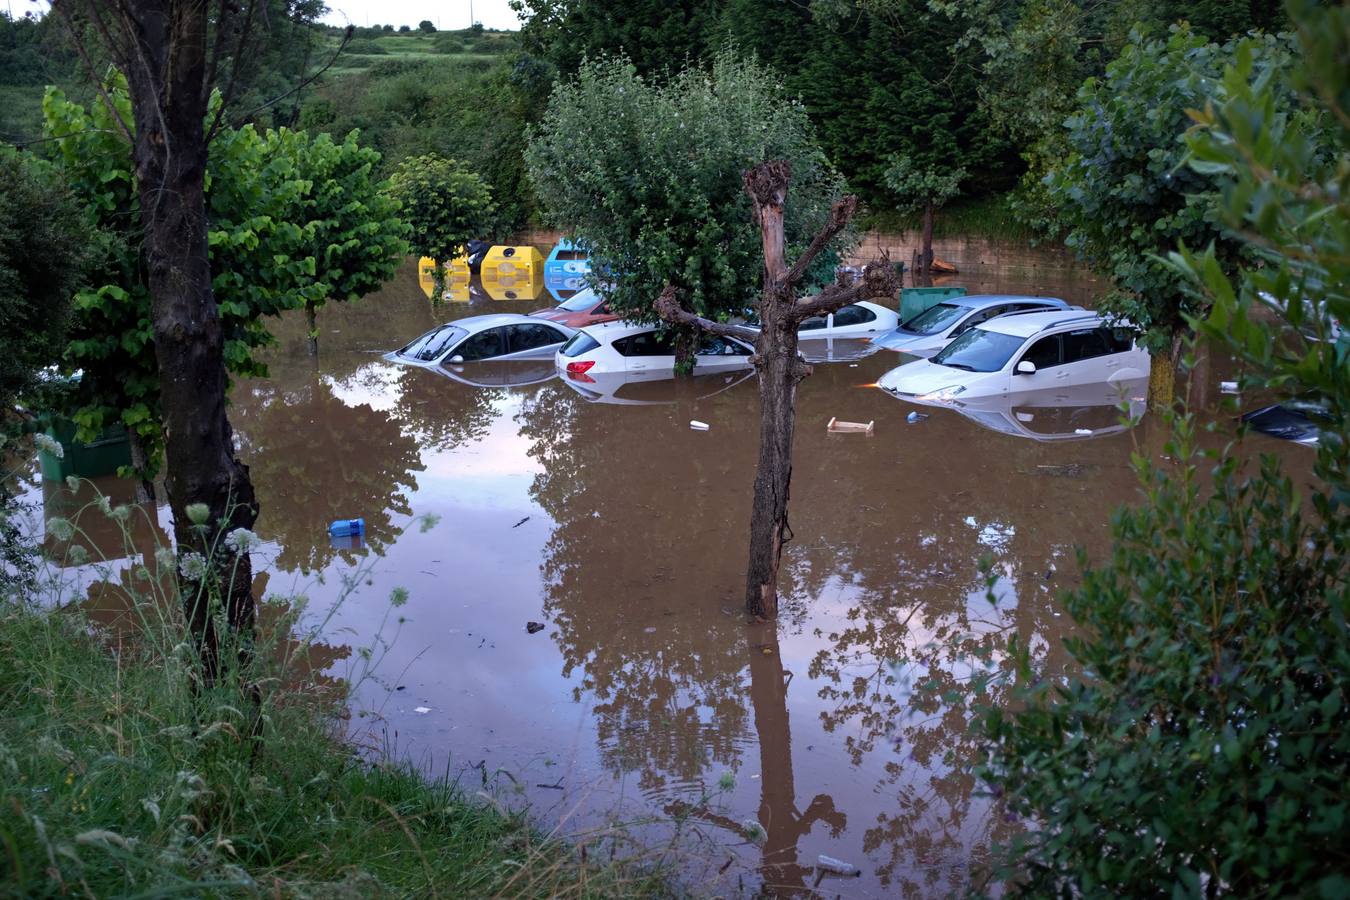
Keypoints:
(741, 751)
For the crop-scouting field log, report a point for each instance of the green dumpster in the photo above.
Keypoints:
(914, 300)
(102, 456)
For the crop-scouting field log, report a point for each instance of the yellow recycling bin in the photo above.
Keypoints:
(513, 273)
(456, 278)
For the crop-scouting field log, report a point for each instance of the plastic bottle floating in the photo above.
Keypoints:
(513, 273)
(566, 266)
(347, 527)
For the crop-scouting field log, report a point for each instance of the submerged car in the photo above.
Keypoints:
(1026, 352)
(585, 307)
(936, 327)
(1072, 414)
(857, 320)
(626, 347)
(499, 336)
(651, 388)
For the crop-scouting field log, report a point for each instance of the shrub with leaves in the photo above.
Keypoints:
(445, 204)
(1204, 749)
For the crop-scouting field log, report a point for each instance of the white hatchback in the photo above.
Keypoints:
(857, 320)
(1026, 352)
(625, 347)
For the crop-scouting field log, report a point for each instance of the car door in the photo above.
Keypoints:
(1088, 357)
(852, 320)
(1046, 353)
(486, 344)
(646, 351)
(529, 341)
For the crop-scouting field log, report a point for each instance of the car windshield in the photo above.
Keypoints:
(432, 344)
(934, 319)
(979, 351)
(579, 343)
(579, 302)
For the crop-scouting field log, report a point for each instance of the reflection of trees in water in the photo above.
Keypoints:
(444, 413)
(668, 688)
(314, 459)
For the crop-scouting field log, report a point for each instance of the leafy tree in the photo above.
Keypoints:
(923, 189)
(1124, 196)
(653, 213)
(46, 245)
(295, 221)
(404, 29)
(426, 26)
(446, 205)
(1203, 749)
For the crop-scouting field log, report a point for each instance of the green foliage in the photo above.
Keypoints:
(426, 26)
(1204, 747)
(652, 209)
(446, 204)
(294, 221)
(1124, 197)
(46, 248)
(921, 187)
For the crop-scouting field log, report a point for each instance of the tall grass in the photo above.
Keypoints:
(122, 775)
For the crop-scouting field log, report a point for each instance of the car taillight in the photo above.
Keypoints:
(580, 368)
(578, 377)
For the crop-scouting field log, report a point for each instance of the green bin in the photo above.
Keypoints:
(102, 456)
(914, 300)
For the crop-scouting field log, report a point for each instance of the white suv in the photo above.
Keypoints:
(625, 347)
(1026, 352)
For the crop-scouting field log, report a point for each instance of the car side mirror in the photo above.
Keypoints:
(1026, 367)
(456, 359)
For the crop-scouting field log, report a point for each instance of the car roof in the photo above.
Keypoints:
(491, 320)
(980, 301)
(620, 328)
(1026, 324)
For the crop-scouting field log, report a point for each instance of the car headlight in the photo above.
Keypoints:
(943, 395)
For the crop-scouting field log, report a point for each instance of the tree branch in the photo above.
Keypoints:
(879, 282)
(346, 38)
(840, 214)
(240, 47)
(669, 309)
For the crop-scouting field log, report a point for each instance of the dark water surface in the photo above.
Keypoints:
(647, 698)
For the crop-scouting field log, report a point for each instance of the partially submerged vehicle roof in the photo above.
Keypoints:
(491, 320)
(1026, 324)
(979, 301)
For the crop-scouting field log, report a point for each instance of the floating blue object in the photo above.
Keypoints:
(347, 527)
(915, 417)
(566, 266)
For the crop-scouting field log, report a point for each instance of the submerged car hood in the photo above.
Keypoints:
(924, 377)
(904, 342)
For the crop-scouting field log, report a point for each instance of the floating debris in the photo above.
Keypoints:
(697, 425)
(839, 427)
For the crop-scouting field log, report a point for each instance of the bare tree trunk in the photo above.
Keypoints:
(1162, 376)
(140, 462)
(777, 362)
(166, 76)
(312, 323)
(926, 258)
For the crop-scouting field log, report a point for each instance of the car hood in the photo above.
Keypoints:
(909, 343)
(552, 315)
(924, 377)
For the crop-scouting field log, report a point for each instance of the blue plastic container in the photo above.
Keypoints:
(347, 527)
(566, 266)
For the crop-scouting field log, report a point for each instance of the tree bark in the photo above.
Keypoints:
(140, 462)
(166, 74)
(1162, 376)
(926, 257)
(312, 323)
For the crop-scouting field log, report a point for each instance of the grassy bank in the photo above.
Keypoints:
(118, 779)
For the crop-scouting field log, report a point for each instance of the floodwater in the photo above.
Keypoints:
(743, 751)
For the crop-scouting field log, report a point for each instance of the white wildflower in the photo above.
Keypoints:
(77, 555)
(104, 504)
(193, 566)
(48, 444)
(164, 558)
(198, 513)
(121, 513)
(61, 529)
(241, 540)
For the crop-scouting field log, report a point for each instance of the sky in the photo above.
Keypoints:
(447, 15)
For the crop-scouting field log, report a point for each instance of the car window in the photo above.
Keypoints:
(432, 344)
(1086, 343)
(483, 345)
(714, 345)
(812, 324)
(1120, 340)
(853, 315)
(580, 301)
(578, 344)
(1044, 353)
(979, 351)
(983, 315)
(645, 343)
(532, 337)
(935, 319)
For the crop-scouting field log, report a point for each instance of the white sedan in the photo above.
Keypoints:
(625, 347)
(857, 320)
(498, 336)
(1027, 352)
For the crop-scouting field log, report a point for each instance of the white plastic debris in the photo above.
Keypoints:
(1082, 431)
(697, 425)
(838, 866)
(422, 710)
(1228, 387)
